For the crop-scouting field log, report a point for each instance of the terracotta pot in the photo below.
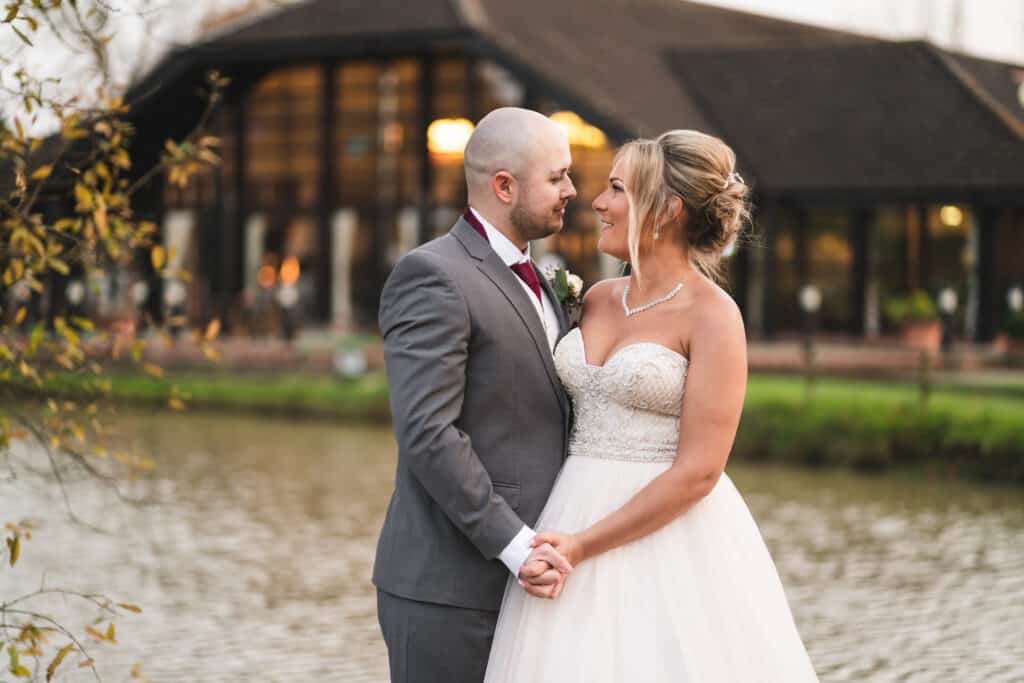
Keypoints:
(923, 335)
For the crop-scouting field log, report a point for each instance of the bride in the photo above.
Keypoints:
(671, 579)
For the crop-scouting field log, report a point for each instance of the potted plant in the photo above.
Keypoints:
(917, 319)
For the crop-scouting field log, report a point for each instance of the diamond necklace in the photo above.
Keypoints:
(650, 304)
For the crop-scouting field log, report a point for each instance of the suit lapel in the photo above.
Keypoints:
(563, 319)
(491, 265)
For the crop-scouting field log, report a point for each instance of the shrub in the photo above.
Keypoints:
(916, 307)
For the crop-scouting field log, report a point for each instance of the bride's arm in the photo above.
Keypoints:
(715, 386)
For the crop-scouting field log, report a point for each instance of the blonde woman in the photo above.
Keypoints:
(671, 580)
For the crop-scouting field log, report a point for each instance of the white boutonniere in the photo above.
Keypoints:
(569, 290)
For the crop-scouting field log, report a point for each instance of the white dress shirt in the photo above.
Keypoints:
(518, 550)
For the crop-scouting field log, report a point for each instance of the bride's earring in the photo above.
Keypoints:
(657, 232)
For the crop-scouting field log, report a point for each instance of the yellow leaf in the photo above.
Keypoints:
(20, 316)
(157, 255)
(21, 130)
(14, 545)
(20, 671)
(209, 157)
(42, 173)
(154, 370)
(130, 608)
(86, 662)
(83, 197)
(121, 159)
(94, 633)
(175, 404)
(59, 266)
(100, 216)
(110, 633)
(61, 654)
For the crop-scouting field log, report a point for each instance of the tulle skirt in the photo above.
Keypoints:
(698, 601)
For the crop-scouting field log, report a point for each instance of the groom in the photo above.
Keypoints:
(479, 414)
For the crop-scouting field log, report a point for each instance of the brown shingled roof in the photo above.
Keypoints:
(605, 56)
(1000, 80)
(613, 50)
(886, 118)
(338, 19)
(808, 109)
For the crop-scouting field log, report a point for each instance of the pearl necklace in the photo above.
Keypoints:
(650, 304)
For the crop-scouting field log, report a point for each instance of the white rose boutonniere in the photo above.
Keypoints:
(569, 290)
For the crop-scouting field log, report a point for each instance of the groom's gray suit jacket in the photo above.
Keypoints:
(480, 418)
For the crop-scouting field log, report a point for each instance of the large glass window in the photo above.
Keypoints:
(378, 156)
(1009, 259)
(284, 138)
(830, 252)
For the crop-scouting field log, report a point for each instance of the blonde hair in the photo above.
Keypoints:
(701, 170)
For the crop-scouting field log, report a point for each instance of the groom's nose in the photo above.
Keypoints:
(570, 190)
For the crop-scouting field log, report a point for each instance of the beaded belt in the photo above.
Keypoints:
(604, 450)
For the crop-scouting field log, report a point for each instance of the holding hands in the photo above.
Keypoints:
(544, 573)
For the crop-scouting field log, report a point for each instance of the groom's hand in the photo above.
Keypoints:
(544, 572)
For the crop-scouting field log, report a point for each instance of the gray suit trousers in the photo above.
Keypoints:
(430, 643)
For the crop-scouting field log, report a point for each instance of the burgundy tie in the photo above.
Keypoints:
(527, 274)
(524, 270)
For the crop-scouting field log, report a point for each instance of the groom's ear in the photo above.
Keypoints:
(503, 184)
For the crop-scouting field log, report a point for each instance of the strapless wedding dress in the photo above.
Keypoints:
(698, 601)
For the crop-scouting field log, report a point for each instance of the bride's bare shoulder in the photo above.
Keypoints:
(604, 292)
(715, 312)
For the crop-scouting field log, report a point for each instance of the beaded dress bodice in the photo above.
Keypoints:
(627, 409)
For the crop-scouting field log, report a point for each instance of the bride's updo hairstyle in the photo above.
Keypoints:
(699, 169)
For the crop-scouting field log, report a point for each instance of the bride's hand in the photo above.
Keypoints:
(567, 545)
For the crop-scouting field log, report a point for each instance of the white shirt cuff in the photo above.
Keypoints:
(516, 552)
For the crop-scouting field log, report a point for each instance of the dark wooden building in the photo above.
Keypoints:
(878, 167)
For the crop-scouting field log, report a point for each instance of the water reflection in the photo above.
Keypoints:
(255, 564)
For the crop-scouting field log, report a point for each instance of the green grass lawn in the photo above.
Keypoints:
(882, 425)
(836, 394)
(865, 424)
(284, 394)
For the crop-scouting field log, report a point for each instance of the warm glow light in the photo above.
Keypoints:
(951, 216)
(449, 136)
(267, 277)
(290, 271)
(578, 131)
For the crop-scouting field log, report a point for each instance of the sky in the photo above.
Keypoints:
(145, 29)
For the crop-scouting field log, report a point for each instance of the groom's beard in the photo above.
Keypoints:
(531, 225)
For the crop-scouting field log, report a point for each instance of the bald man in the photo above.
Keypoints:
(480, 417)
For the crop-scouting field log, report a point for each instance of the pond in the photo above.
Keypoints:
(253, 561)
